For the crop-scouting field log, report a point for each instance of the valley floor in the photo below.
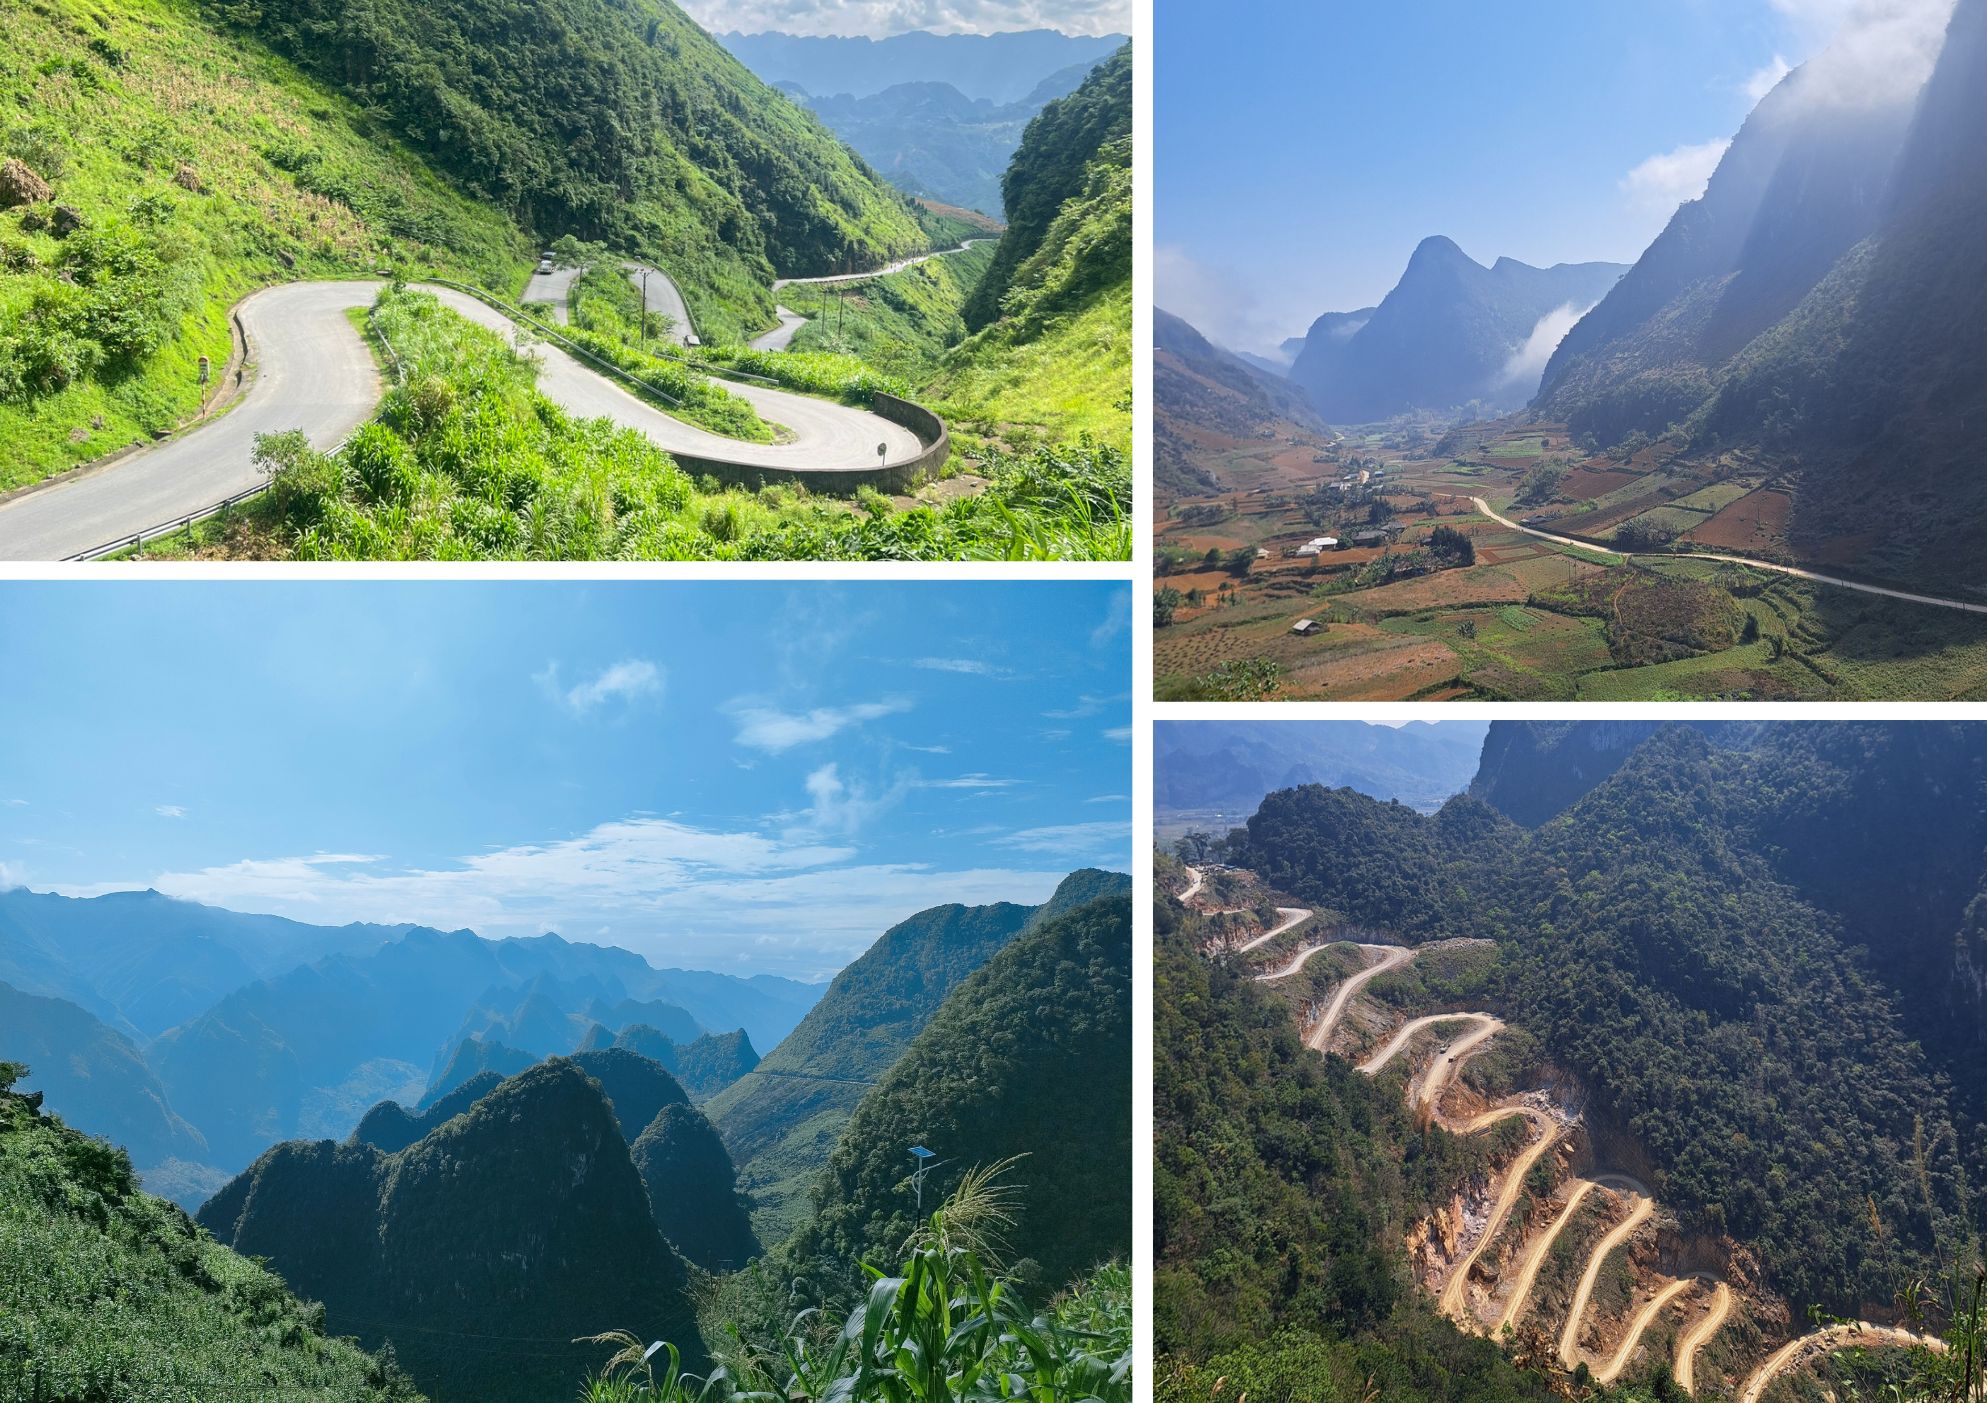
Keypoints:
(1661, 606)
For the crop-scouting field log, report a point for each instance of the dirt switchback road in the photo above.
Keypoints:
(1454, 1302)
(1385, 957)
(1641, 1209)
(1193, 887)
(1293, 916)
(1854, 1333)
(1611, 1371)
(1528, 1269)
(1693, 1339)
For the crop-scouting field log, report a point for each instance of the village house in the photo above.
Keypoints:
(1307, 627)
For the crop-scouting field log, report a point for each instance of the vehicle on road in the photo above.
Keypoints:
(545, 263)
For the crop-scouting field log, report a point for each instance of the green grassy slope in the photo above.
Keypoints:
(1052, 358)
(201, 168)
(615, 120)
(901, 324)
(106, 1292)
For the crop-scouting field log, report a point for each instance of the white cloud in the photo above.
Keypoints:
(13, 803)
(1070, 839)
(169, 811)
(627, 682)
(880, 18)
(1527, 362)
(1108, 799)
(1120, 734)
(1664, 181)
(1871, 53)
(1117, 618)
(766, 727)
(12, 876)
(1226, 310)
(1767, 78)
(968, 782)
(971, 666)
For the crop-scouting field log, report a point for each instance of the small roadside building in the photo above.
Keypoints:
(1306, 627)
(1365, 540)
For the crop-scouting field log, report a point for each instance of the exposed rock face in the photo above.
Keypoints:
(67, 221)
(19, 185)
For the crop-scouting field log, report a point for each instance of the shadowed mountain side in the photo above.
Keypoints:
(693, 1190)
(480, 1251)
(1030, 1056)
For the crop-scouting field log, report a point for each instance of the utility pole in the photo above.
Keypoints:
(645, 311)
(927, 1161)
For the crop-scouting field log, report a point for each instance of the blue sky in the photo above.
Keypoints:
(746, 777)
(1304, 147)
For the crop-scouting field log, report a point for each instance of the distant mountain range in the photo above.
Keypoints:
(1197, 386)
(999, 68)
(1451, 334)
(1233, 764)
(198, 1037)
(1826, 301)
(930, 139)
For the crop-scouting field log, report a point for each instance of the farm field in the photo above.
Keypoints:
(1521, 618)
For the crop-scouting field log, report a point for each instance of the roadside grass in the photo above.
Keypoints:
(1074, 379)
(902, 324)
(202, 169)
(468, 461)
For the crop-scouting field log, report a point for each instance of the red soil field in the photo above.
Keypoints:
(1757, 521)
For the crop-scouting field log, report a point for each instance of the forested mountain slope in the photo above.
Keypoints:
(1700, 940)
(781, 1121)
(108, 1292)
(1196, 385)
(619, 123)
(1029, 1057)
(523, 1220)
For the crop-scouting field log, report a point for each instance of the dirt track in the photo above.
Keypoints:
(1693, 1339)
(1611, 1371)
(1456, 1288)
(1293, 916)
(1642, 1208)
(1389, 957)
(1856, 1332)
(1535, 1254)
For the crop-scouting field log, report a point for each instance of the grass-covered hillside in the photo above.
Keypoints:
(1051, 353)
(902, 323)
(618, 122)
(197, 167)
(109, 1293)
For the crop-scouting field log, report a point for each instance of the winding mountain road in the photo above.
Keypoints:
(1193, 886)
(1794, 570)
(1641, 1208)
(553, 290)
(1293, 916)
(1528, 1268)
(313, 372)
(1645, 1317)
(1454, 1299)
(781, 336)
(1849, 1335)
(1693, 1339)
(1387, 957)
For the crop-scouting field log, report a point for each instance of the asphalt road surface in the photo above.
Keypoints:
(554, 290)
(314, 373)
(781, 336)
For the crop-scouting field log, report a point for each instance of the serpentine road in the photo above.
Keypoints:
(1694, 1338)
(553, 290)
(1855, 1333)
(781, 336)
(1641, 1209)
(1293, 916)
(1794, 570)
(313, 372)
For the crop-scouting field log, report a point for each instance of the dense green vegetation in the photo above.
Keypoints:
(481, 1251)
(107, 1292)
(693, 1190)
(781, 1121)
(945, 1326)
(1029, 1059)
(1283, 1183)
(1050, 169)
(704, 1066)
(619, 123)
(902, 323)
(1702, 941)
(199, 167)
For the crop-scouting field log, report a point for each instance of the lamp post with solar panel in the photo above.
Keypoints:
(928, 1160)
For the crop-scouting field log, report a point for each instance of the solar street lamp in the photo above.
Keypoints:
(928, 1160)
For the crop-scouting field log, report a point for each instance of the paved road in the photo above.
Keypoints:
(781, 336)
(1794, 570)
(314, 373)
(554, 290)
(899, 266)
